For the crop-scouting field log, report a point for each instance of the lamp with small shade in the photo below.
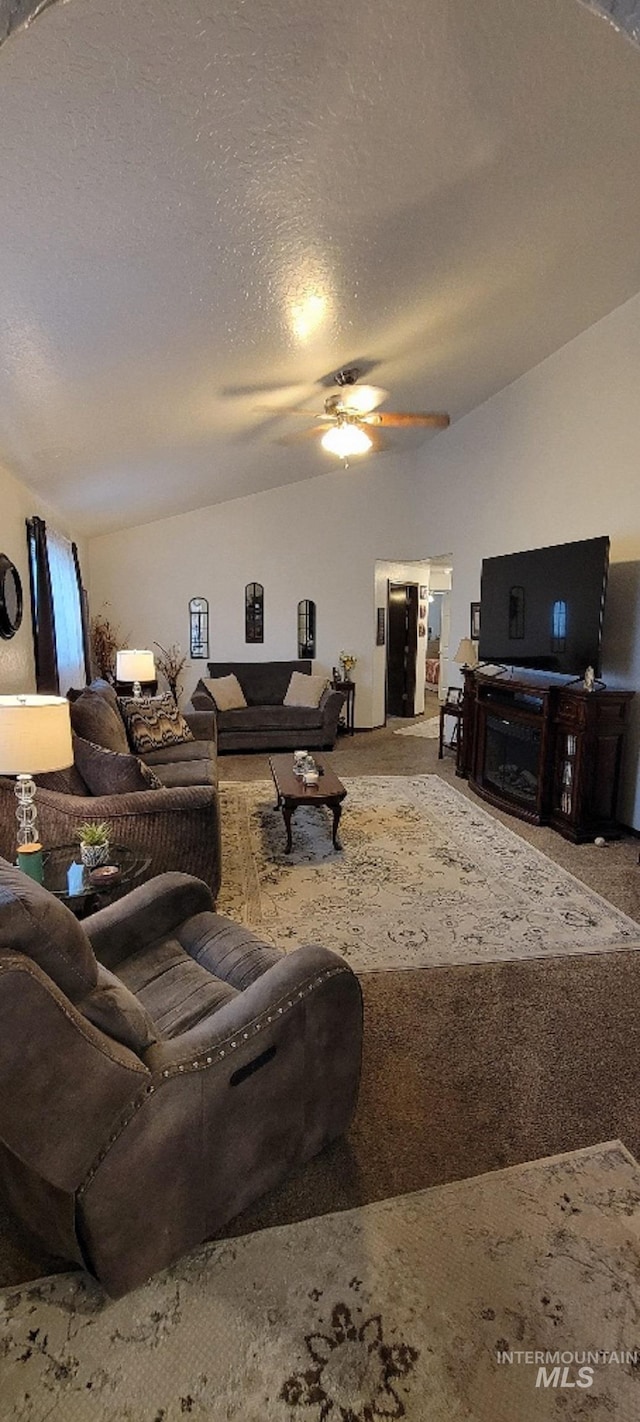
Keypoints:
(467, 654)
(135, 666)
(35, 736)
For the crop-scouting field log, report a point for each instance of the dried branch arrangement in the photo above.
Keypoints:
(106, 640)
(171, 664)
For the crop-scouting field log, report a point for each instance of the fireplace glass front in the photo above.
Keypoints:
(512, 759)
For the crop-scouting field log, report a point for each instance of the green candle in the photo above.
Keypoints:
(30, 861)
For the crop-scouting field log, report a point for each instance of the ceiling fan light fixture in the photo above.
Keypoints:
(346, 440)
(362, 399)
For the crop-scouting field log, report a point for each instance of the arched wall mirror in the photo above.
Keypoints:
(306, 628)
(10, 598)
(198, 628)
(254, 612)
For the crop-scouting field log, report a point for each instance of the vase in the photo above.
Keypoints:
(93, 855)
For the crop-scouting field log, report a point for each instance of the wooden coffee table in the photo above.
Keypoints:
(292, 792)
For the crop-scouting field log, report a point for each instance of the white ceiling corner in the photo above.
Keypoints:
(208, 208)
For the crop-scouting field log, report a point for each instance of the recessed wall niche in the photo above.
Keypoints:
(306, 628)
(254, 612)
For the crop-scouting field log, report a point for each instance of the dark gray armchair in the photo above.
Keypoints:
(160, 1068)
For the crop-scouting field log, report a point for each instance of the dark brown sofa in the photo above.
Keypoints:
(177, 826)
(265, 723)
(96, 717)
(160, 1068)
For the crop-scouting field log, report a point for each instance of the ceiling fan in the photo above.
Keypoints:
(351, 421)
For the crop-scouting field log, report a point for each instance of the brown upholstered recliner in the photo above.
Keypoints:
(160, 1068)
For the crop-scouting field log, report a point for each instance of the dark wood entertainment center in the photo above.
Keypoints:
(546, 751)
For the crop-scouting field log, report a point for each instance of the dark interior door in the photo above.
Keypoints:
(401, 648)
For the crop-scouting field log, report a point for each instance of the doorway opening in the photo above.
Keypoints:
(411, 656)
(402, 624)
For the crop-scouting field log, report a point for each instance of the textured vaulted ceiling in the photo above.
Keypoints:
(207, 207)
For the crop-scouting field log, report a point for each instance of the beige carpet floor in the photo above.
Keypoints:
(499, 1063)
(424, 1307)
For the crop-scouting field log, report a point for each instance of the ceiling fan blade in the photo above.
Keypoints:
(295, 410)
(378, 442)
(301, 435)
(394, 419)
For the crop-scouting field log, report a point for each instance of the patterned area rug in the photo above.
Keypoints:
(425, 878)
(429, 728)
(401, 1309)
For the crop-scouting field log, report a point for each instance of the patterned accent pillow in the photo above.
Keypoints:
(153, 722)
(108, 772)
(152, 781)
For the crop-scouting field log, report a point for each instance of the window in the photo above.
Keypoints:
(559, 626)
(57, 607)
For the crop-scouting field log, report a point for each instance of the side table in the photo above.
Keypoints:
(348, 689)
(57, 860)
(453, 706)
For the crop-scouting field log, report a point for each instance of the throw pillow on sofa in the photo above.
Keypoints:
(108, 772)
(226, 692)
(96, 719)
(153, 722)
(305, 690)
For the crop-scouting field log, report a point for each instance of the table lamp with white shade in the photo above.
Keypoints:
(135, 666)
(35, 736)
(467, 654)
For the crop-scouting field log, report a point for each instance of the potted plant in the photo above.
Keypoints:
(93, 837)
(347, 662)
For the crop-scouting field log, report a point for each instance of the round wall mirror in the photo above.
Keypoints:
(10, 598)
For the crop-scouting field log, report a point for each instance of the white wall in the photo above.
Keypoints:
(17, 503)
(318, 539)
(554, 457)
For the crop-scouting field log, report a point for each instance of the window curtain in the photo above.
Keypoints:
(59, 618)
(44, 641)
(84, 615)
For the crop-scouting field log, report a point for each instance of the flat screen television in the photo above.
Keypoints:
(543, 609)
